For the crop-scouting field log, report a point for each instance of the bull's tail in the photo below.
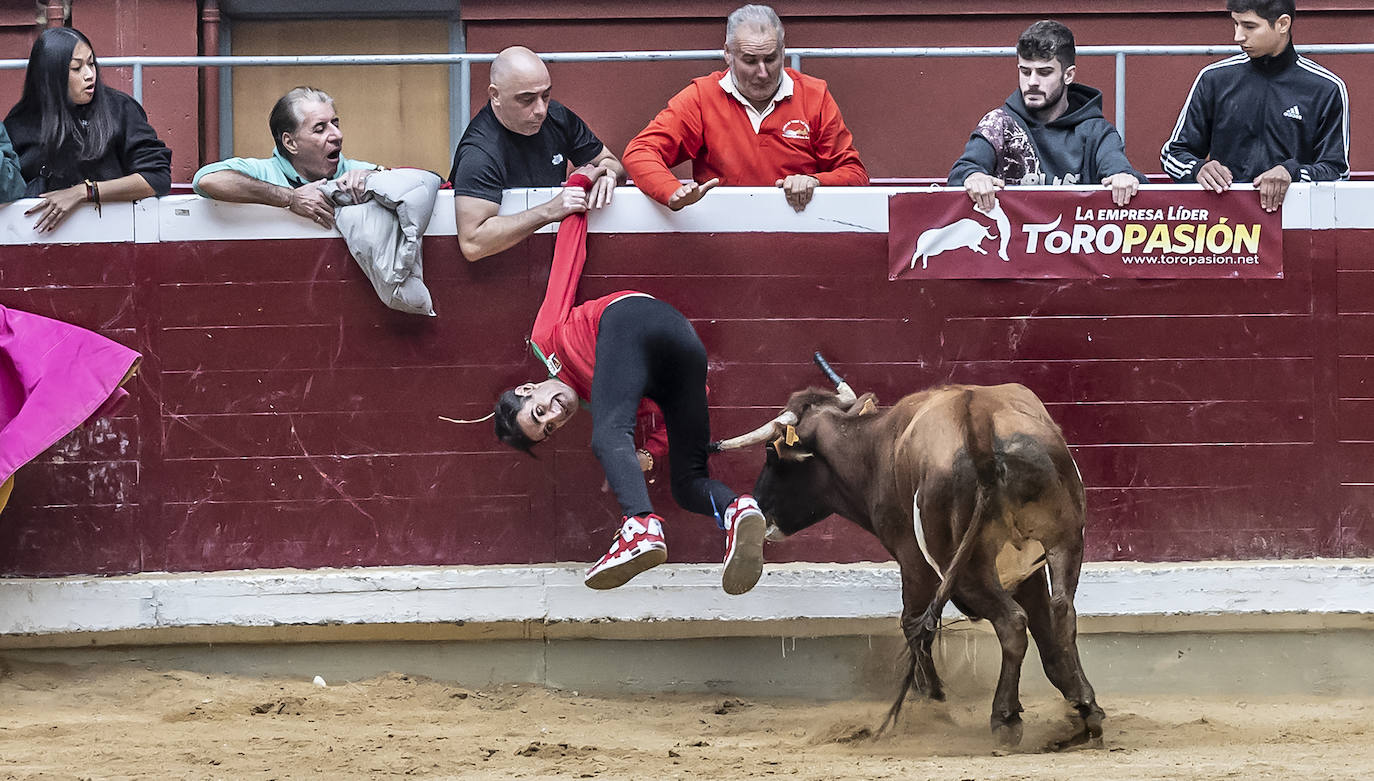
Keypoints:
(980, 446)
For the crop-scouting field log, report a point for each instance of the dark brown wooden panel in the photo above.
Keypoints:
(1356, 532)
(67, 266)
(330, 476)
(466, 391)
(1198, 466)
(1356, 460)
(1355, 291)
(505, 303)
(342, 433)
(106, 439)
(861, 256)
(1007, 338)
(1352, 249)
(101, 309)
(759, 340)
(1290, 543)
(50, 483)
(414, 343)
(1063, 381)
(331, 532)
(1356, 418)
(1356, 376)
(1356, 335)
(1217, 422)
(96, 539)
(302, 260)
(1118, 297)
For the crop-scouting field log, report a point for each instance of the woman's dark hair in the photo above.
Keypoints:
(507, 429)
(45, 97)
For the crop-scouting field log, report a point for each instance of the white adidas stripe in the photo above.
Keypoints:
(1312, 67)
(1179, 168)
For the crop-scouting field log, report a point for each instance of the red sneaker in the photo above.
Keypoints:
(638, 546)
(744, 528)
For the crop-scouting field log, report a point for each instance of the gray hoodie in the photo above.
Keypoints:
(1080, 147)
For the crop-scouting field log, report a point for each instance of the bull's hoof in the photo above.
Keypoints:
(1080, 738)
(1090, 734)
(1007, 733)
(1092, 720)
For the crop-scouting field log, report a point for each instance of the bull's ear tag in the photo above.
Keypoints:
(868, 408)
(791, 436)
(777, 446)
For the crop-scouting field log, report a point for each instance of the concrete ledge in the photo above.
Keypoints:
(673, 601)
(175, 218)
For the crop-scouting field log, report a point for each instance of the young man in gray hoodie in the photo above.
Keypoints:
(1050, 131)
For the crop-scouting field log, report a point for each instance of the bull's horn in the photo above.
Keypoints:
(846, 393)
(758, 436)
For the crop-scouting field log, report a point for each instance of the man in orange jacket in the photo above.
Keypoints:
(756, 124)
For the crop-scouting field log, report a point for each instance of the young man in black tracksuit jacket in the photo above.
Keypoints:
(1267, 116)
(1050, 131)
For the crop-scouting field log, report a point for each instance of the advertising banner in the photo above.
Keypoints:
(1081, 234)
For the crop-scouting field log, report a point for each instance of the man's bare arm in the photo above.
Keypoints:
(306, 201)
(611, 163)
(482, 232)
(611, 174)
(241, 188)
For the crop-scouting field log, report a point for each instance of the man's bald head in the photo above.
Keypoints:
(519, 90)
(517, 63)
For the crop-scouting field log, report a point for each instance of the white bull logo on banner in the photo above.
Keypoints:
(964, 234)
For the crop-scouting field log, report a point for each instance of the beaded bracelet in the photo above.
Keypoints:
(93, 195)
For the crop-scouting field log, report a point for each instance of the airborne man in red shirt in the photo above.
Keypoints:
(638, 364)
(756, 124)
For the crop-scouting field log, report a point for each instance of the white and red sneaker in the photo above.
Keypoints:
(638, 546)
(744, 528)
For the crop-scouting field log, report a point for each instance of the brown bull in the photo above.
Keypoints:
(973, 491)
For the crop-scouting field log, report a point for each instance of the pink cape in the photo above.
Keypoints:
(54, 376)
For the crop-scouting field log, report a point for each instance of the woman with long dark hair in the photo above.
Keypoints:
(79, 140)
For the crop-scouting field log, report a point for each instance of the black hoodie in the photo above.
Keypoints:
(1080, 147)
(1254, 114)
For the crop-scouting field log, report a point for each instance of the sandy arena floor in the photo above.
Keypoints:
(113, 721)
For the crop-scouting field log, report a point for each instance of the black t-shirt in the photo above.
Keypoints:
(491, 158)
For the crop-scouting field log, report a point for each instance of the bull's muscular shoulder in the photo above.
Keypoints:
(932, 421)
(928, 426)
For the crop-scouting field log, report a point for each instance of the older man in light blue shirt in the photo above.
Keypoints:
(309, 152)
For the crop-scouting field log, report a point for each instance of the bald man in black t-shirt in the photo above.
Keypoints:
(521, 138)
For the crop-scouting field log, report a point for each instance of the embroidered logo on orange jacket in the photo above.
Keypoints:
(796, 128)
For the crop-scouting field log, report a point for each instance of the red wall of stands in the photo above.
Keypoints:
(284, 418)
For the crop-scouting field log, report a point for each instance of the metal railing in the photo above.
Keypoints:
(460, 82)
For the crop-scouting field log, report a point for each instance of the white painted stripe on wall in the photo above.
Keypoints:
(114, 223)
(1320, 206)
(554, 593)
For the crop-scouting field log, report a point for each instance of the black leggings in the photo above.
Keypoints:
(646, 349)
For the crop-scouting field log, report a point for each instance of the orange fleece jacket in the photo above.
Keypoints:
(804, 134)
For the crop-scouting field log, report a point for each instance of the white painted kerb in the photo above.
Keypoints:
(554, 593)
